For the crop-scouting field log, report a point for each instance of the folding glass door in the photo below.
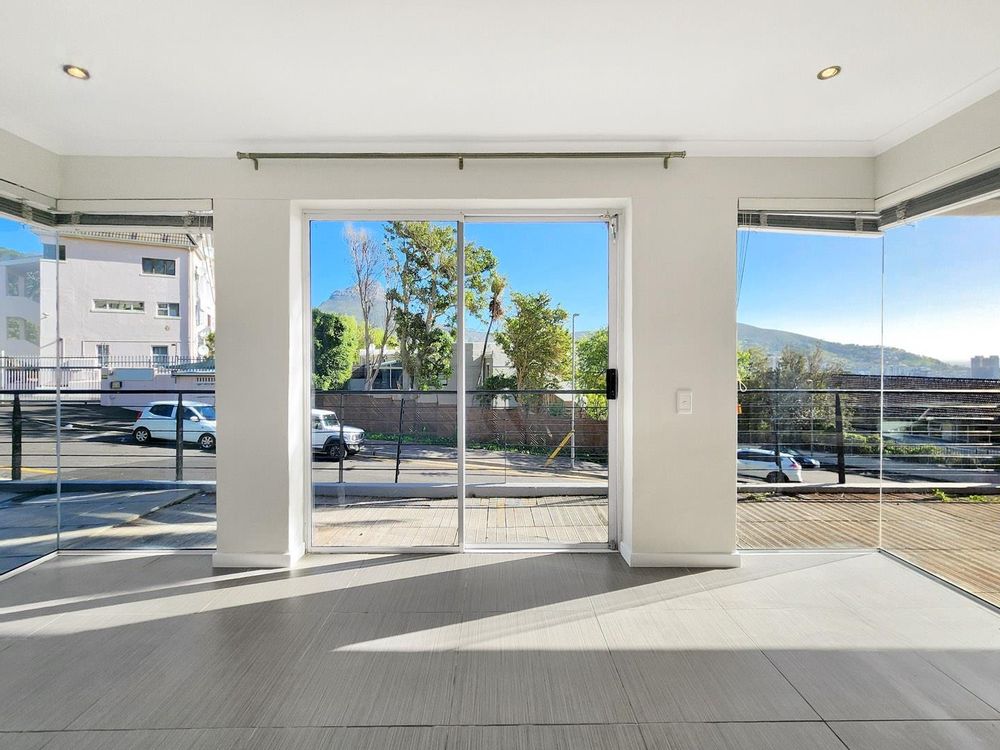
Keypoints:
(459, 383)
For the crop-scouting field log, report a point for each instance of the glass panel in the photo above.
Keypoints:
(536, 352)
(384, 426)
(28, 502)
(809, 364)
(119, 358)
(942, 417)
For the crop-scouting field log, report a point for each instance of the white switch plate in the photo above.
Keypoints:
(685, 402)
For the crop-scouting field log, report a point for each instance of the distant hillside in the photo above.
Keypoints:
(853, 358)
(346, 302)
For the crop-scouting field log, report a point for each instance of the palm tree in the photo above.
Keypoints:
(498, 284)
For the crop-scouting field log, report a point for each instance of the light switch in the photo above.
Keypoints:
(685, 402)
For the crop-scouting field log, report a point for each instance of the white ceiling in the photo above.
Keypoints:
(208, 77)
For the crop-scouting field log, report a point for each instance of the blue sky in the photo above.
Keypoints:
(942, 286)
(567, 260)
(16, 236)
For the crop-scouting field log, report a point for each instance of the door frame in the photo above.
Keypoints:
(614, 219)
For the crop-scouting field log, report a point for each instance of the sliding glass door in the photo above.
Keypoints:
(536, 411)
(459, 383)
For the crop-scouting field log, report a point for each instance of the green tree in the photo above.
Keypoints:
(768, 396)
(210, 345)
(335, 348)
(591, 371)
(424, 271)
(496, 311)
(536, 341)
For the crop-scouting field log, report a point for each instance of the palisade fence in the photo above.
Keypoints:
(26, 374)
(534, 421)
(943, 435)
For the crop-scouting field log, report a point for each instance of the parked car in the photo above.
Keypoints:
(157, 421)
(326, 433)
(804, 459)
(760, 463)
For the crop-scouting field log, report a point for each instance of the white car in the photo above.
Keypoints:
(158, 422)
(760, 463)
(326, 432)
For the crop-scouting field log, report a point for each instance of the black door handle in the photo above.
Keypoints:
(611, 384)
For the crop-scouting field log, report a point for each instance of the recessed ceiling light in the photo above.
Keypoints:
(75, 71)
(827, 73)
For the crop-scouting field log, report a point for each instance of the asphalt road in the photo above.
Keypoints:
(97, 445)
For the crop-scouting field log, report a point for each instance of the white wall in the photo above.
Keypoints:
(28, 171)
(680, 280)
(963, 145)
(103, 269)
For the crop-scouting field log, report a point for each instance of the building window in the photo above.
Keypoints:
(49, 252)
(103, 354)
(168, 309)
(159, 266)
(161, 354)
(119, 305)
(15, 328)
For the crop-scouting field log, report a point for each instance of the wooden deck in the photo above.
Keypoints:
(958, 541)
(422, 522)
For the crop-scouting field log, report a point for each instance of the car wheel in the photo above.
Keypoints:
(776, 477)
(207, 442)
(333, 452)
(141, 435)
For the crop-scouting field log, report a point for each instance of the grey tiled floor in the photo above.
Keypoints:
(493, 651)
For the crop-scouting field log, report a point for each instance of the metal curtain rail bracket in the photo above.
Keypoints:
(257, 156)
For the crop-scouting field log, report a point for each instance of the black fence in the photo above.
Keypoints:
(907, 435)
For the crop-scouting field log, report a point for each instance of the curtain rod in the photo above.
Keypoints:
(257, 156)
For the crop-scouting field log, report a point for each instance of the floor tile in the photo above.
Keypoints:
(876, 684)
(535, 737)
(737, 736)
(536, 667)
(919, 735)
(24, 740)
(153, 739)
(353, 738)
(696, 666)
(249, 651)
(370, 669)
(616, 586)
(405, 583)
(513, 583)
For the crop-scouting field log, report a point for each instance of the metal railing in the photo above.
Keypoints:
(35, 375)
(944, 435)
(88, 442)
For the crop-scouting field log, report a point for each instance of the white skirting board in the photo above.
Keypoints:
(679, 559)
(257, 559)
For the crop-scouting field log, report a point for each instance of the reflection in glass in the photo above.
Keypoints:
(28, 516)
(941, 429)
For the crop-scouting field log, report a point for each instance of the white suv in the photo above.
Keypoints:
(759, 463)
(158, 422)
(326, 430)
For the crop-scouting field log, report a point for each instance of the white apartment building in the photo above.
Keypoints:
(121, 296)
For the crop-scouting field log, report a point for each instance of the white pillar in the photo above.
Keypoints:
(261, 377)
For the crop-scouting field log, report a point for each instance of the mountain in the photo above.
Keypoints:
(347, 302)
(853, 358)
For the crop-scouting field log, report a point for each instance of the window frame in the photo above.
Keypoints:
(153, 262)
(95, 307)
